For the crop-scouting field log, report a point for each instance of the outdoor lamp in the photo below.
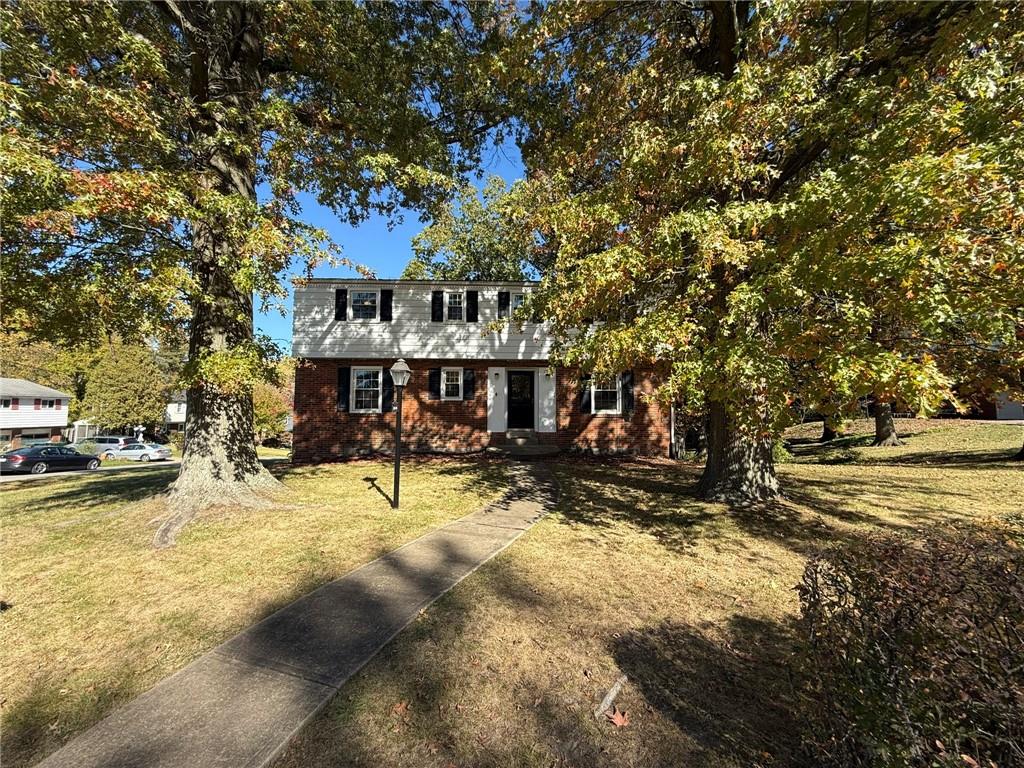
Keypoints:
(400, 373)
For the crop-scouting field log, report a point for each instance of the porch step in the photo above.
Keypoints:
(521, 437)
(524, 452)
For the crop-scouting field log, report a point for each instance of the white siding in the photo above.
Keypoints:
(175, 413)
(410, 334)
(27, 417)
(496, 410)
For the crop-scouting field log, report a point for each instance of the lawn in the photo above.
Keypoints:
(94, 615)
(632, 576)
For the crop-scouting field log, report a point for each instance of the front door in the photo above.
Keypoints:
(520, 399)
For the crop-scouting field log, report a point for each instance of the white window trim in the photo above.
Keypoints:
(52, 404)
(618, 398)
(512, 302)
(352, 389)
(6, 403)
(452, 293)
(446, 397)
(352, 306)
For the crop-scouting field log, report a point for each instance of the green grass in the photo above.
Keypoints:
(632, 575)
(97, 615)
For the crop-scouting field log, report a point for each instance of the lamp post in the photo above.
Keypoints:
(400, 373)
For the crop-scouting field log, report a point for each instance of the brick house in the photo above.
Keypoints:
(471, 388)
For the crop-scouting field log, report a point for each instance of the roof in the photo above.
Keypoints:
(418, 282)
(25, 388)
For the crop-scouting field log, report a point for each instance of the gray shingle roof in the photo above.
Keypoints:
(25, 388)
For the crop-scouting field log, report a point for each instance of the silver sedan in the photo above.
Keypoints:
(138, 452)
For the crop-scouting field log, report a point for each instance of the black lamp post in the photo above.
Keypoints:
(400, 373)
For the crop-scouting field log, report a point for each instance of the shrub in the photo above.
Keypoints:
(913, 651)
(177, 439)
(87, 446)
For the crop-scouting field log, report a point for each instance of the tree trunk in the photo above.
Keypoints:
(219, 463)
(885, 425)
(739, 469)
(827, 433)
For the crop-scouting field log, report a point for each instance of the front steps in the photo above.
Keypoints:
(522, 444)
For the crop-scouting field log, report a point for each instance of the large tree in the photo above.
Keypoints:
(780, 201)
(153, 154)
(126, 387)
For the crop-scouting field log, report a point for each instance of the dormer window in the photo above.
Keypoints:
(455, 306)
(364, 305)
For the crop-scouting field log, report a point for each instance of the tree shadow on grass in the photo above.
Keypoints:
(732, 697)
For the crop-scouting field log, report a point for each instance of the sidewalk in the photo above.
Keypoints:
(240, 703)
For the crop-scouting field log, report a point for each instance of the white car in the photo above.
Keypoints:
(138, 452)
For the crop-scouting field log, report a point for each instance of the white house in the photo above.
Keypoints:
(30, 411)
(174, 416)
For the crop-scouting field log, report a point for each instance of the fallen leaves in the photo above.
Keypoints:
(617, 717)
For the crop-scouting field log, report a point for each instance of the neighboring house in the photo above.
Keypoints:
(470, 388)
(174, 416)
(1001, 407)
(31, 412)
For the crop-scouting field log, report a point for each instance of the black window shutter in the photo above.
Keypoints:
(386, 297)
(341, 304)
(627, 395)
(344, 382)
(437, 306)
(585, 394)
(434, 384)
(387, 392)
(504, 301)
(468, 384)
(472, 306)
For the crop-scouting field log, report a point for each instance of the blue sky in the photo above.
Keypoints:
(384, 251)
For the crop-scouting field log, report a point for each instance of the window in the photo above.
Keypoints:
(366, 394)
(364, 305)
(179, 407)
(517, 300)
(451, 383)
(605, 396)
(455, 306)
(48, 405)
(5, 403)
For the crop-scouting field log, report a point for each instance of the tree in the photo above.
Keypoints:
(772, 202)
(126, 387)
(154, 153)
(271, 407)
(480, 236)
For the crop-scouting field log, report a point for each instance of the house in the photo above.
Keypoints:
(471, 387)
(174, 415)
(30, 412)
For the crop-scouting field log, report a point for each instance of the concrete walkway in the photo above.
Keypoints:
(240, 703)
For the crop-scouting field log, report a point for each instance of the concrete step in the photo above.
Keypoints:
(524, 452)
(521, 437)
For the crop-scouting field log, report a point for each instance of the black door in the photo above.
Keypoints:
(520, 400)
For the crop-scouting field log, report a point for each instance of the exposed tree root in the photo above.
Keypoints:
(186, 500)
(888, 441)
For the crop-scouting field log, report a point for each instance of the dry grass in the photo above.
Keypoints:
(632, 575)
(97, 615)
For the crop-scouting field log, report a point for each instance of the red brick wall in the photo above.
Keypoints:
(321, 432)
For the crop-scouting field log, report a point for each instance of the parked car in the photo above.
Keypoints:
(138, 452)
(104, 442)
(39, 459)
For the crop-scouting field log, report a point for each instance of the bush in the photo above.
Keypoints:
(913, 651)
(87, 446)
(177, 440)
